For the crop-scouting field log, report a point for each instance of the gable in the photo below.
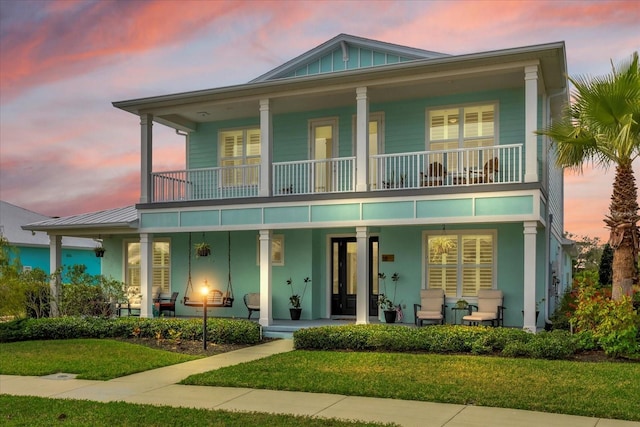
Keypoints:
(345, 52)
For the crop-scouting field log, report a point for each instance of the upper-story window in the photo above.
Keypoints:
(469, 126)
(240, 156)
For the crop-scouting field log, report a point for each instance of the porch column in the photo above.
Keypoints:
(146, 274)
(530, 234)
(146, 158)
(362, 139)
(266, 153)
(362, 299)
(531, 123)
(55, 262)
(266, 316)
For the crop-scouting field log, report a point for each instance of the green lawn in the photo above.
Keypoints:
(91, 359)
(605, 389)
(38, 411)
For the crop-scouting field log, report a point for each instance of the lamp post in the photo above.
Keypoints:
(205, 293)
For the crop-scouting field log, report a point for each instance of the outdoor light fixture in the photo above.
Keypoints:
(205, 294)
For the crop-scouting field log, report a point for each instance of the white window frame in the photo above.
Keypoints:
(125, 263)
(234, 180)
(461, 123)
(277, 250)
(459, 266)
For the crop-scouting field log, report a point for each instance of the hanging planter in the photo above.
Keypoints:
(442, 245)
(203, 249)
(99, 251)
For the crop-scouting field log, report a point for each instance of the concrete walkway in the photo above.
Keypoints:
(158, 387)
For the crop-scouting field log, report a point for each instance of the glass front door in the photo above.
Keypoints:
(344, 276)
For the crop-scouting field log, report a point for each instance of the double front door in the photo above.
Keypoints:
(344, 276)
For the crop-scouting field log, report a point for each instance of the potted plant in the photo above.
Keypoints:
(462, 304)
(387, 304)
(296, 299)
(442, 245)
(99, 251)
(203, 249)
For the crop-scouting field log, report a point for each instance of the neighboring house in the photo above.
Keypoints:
(354, 158)
(33, 247)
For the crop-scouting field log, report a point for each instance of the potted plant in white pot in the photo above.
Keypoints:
(296, 299)
(384, 302)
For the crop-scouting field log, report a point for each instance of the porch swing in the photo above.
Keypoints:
(216, 297)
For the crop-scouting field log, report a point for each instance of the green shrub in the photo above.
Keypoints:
(437, 339)
(614, 324)
(516, 349)
(221, 331)
(551, 345)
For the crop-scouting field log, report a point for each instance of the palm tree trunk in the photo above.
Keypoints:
(622, 220)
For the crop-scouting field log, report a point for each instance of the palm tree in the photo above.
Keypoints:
(602, 126)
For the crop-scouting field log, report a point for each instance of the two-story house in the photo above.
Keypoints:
(354, 158)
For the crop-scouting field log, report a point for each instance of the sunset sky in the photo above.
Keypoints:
(65, 150)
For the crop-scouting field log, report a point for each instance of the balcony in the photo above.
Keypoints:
(387, 172)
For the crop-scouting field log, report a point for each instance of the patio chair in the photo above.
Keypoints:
(431, 307)
(168, 305)
(489, 308)
(131, 304)
(488, 171)
(252, 302)
(435, 177)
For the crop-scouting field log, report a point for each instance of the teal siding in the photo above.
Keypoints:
(241, 216)
(199, 218)
(328, 213)
(39, 257)
(444, 208)
(282, 215)
(519, 205)
(387, 210)
(163, 219)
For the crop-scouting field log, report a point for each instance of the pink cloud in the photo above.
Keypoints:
(80, 36)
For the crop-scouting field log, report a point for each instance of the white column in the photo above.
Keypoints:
(146, 274)
(55, 262)
(362, 299)
(362, 139)
(146, 158)
(266, 316)
(530, 234)
(531, 123)
(266, 155)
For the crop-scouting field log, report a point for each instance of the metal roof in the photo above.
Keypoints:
(112, 218)
(12, 220)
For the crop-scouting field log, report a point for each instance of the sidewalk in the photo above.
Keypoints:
(159, 387)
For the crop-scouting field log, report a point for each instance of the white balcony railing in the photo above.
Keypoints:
(482, 165)
(460, 167)
(207, 183)
(314, 176)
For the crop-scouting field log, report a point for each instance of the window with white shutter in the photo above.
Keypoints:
(460, 263)
(461, 127)
(240, 147)
(161, 265)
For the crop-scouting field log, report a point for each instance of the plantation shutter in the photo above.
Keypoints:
(460, 264)
(477, 263)
(161, 265)
(161, 261)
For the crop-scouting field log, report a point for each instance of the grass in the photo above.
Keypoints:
(37, 411)
(91, 359)
(578, 388)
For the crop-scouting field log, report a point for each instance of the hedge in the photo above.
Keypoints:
(221, 331)
(438, 339)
